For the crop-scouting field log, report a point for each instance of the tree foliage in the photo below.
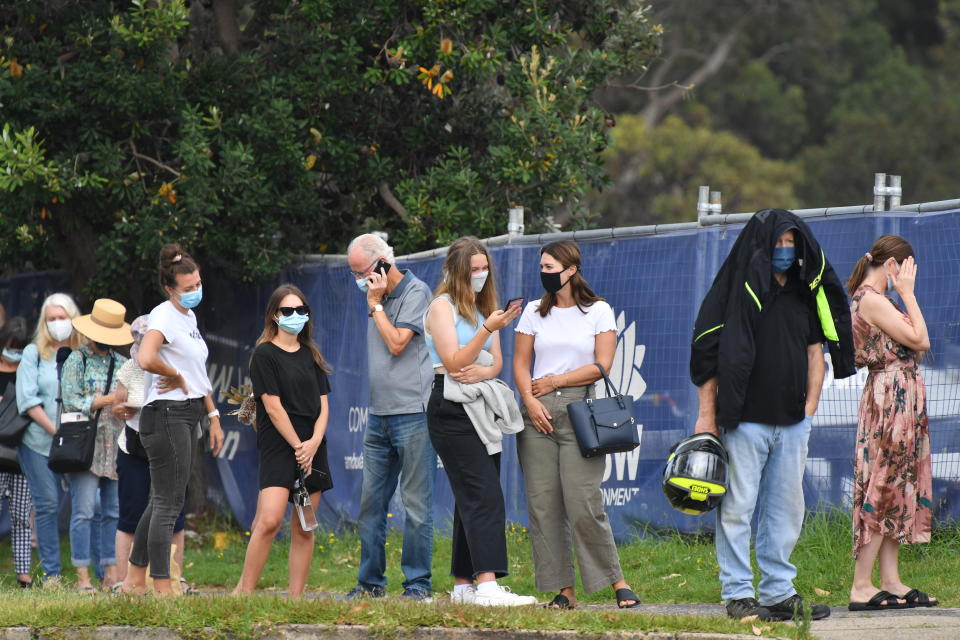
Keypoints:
(833, 91)
(252, 130)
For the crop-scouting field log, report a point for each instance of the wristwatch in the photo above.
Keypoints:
(214, 414)
(376, 307)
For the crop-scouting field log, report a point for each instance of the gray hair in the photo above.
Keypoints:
(373, 246)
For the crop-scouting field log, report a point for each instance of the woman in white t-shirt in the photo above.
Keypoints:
(178, 393)
(564, 333)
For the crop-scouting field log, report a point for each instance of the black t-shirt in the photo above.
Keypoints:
(7, 377)
(778, 382)
(294, 377)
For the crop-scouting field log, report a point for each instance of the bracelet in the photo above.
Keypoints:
(214, 414)
(485, 327)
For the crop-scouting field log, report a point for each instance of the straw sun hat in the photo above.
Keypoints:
(105, 323)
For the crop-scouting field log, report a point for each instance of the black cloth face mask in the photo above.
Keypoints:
(551, 281)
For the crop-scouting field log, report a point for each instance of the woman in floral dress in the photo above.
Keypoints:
(892, 494)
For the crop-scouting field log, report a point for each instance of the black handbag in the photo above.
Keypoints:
(74, 443)
(12, 422)
(9, 461)
(604, 425)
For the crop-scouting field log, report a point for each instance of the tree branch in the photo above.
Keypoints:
(384, 190)
(659, 105)
(157, 163)
(228, 29)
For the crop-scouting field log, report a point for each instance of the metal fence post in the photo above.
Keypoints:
(703, 201)
(894, 191)
(879, 192)
(715, 203)
(515, 222)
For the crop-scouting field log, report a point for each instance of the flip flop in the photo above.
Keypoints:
(881, 601)
(627, 594)
(917, 598)
(560, 601)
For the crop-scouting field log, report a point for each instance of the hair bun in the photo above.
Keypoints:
(171, 254)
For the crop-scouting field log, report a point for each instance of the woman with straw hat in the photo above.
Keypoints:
(87, 385)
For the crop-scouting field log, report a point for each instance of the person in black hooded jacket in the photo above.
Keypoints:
(757, 358)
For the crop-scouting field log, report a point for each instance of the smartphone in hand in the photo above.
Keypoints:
(382, 267)
(513, 302)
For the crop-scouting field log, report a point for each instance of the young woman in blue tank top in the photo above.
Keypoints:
(461, 333)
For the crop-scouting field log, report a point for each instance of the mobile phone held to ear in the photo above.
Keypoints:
(513, 302)
(382, 267)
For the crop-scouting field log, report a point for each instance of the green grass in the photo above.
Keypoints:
(662, 568)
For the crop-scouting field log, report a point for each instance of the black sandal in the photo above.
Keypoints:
(916, 598)
(560, 601)
(881, 601)
(627, 594)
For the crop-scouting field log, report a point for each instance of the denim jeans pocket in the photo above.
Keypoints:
(149, 417)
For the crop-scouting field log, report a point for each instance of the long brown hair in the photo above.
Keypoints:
(305, 337)
(456, 280)
(886, 247)
(567, 253)
(174, 261)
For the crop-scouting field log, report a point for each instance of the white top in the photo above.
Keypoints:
(133, 378)
(183, 350)
(564, 340)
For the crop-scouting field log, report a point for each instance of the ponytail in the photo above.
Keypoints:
(859, 273)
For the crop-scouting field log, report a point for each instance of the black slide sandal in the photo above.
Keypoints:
(916, 598)
(881, 601)
(627, 594)
(560, 601)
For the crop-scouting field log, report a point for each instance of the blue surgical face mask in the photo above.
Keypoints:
(362, 284)
(293, 323)
(12, 355)
(783, 257)
(191, 299)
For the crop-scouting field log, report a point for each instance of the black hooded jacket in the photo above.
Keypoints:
(723, 336)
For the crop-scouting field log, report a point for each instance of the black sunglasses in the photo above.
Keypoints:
(303, 310)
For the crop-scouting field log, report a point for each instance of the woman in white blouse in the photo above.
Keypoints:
(563, 334)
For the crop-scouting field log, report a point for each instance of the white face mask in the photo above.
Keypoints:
(60, 330)
(477, 280)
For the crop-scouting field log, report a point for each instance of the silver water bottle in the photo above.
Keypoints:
(301, 502)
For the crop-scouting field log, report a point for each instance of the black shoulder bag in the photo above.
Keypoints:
(12, 422)
(74, 443)
(604, 425)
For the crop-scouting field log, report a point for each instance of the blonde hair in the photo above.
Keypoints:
(42, 337)
(456, 280)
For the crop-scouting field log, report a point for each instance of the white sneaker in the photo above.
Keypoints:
(502, 597)
(464, 597)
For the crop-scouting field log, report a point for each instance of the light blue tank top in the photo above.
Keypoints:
(465, 333)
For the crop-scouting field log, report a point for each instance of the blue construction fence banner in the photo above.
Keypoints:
(655, 284)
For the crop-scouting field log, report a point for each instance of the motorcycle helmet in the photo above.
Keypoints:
(695, 477)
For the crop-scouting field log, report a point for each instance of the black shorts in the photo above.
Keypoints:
(278, 463)
(133, 489)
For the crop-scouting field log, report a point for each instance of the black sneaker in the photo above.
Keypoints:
(792, 609)
(745, 607)
(361, 591)
(417, 595)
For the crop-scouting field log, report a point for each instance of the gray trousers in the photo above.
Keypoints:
(564, 503)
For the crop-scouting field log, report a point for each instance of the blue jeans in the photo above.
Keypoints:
(765, 473)
(83, 501)
(46, 503)
(397, 448)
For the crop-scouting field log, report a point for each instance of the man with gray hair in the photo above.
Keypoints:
(396, 443)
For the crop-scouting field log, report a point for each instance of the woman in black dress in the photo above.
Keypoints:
(290, 384)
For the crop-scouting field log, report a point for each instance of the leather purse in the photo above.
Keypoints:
(604, 425)
(75, 442)
(12, 422)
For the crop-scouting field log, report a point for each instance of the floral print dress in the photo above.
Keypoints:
(892, 481)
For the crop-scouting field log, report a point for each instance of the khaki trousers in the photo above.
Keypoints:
(564, 503)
